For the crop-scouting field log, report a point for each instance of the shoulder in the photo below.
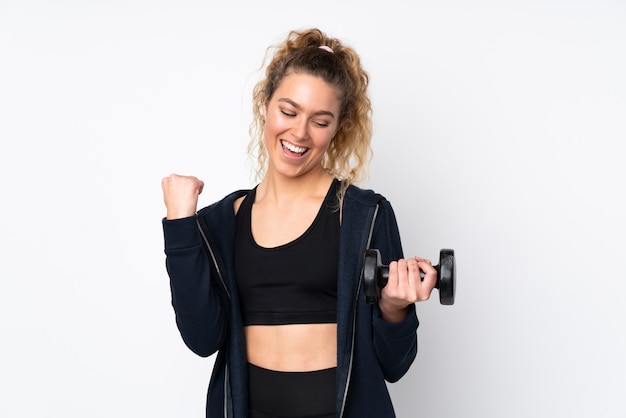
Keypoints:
(358, 201)
(218, 219)
(368, 197)
(224, 206)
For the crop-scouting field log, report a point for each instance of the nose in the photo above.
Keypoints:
(300, 129)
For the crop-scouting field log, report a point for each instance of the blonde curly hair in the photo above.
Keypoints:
(349, 153)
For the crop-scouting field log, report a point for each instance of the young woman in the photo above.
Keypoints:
(269, 278)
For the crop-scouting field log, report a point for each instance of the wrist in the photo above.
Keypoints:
(178, 214)
(392, 314)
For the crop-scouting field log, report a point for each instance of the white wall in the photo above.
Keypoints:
(499, 131)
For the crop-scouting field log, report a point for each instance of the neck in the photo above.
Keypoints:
(278, 188)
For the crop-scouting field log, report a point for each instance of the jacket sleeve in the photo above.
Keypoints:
(200, 312)
(395, 344)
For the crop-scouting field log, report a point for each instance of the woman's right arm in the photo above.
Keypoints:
(200, 313)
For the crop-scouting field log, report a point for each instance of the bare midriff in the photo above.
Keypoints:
(292, 348)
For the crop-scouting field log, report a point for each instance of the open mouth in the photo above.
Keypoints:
(293, 149)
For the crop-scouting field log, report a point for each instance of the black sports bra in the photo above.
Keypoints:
(294, 283)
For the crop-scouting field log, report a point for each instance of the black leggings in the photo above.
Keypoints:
(274, 394)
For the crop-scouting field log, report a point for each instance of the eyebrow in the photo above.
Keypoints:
(297, 106)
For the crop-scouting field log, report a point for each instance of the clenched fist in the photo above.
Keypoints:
(405, 286)
(181, 195)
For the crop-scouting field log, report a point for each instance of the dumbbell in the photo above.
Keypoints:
(375, 276)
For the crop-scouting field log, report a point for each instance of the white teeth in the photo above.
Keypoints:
(293, 148)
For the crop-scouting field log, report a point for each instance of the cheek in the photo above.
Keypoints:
(323, 142)
(274, 125)
(330, 137)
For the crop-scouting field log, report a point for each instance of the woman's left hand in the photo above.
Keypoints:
(405, 286)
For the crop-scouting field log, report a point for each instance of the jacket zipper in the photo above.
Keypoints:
(356, 301)
(213, 258)
(221, 277)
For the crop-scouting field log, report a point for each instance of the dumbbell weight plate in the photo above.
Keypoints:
(372, 280)
(446, 277)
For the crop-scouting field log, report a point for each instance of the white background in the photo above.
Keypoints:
(499, 132)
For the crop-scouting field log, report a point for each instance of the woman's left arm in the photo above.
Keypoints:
(394, 319)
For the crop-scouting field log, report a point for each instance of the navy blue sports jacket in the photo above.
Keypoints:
(370, 351)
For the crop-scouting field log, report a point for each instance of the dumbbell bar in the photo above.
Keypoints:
(375, 276)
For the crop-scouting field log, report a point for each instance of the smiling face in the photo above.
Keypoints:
(301, 119)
